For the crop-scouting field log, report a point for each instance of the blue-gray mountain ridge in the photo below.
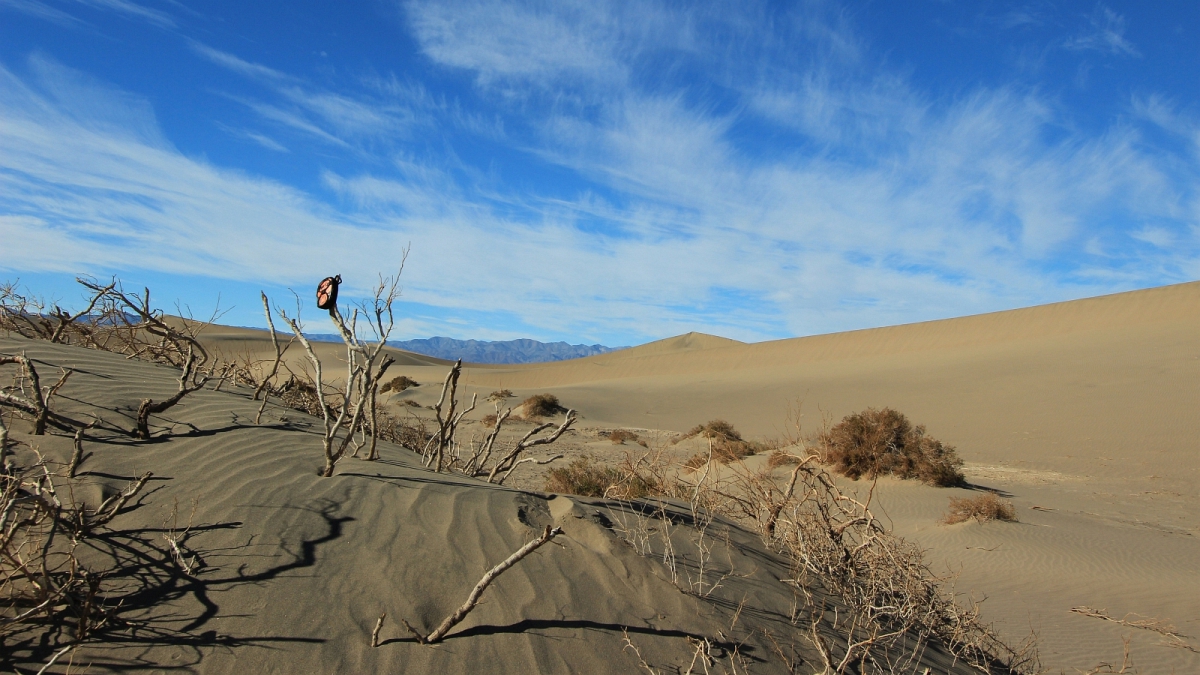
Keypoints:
(485, 351)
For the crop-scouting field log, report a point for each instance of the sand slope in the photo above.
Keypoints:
(1090, 408)
(296, 568)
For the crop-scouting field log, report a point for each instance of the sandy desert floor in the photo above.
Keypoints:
(1085, 414)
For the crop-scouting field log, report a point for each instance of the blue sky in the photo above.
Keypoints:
(604, 172)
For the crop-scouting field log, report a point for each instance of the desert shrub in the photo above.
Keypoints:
(582, 477)
(727, 444)
(780, 458)
(982, 508)
(489, 420)
(725, 452)
(541, 405)
(619, 436)
(632, 479)
(500, 395)
(398, 384)
(409, 402)
(715, 429)
(876, 442)
(409, 432)
(300, 394)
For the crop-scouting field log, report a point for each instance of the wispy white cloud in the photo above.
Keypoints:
(499, 40)
(40, 10)
(239, 65)
(335, 118)
(133, 9)
(265, 141)
(1105, 33)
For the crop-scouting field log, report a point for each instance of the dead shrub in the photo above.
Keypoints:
(541, 405)
(398, 384)
(582, 477)
(714, 429)
(876, 442)
(619, 436)
(982, 508)
(409, 402)
(500, 395)
(727, 444)
(300, 394)
(780, 458)
(632, 479)
(409, 432)
(489, 420)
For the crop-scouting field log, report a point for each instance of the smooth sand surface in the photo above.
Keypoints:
(1086, 414)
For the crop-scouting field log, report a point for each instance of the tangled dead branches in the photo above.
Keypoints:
(42, 582)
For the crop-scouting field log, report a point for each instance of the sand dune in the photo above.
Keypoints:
(1083, 413)
(1090, 408)
(292, 570)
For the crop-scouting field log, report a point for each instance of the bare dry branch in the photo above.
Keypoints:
(508, 463)
(473, 599)
(263, 387)
(378, 627)
(112, 506)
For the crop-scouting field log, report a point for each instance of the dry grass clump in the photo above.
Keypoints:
(982, 508)
(727, 444)
(500, 395)
(300, 394)
(582, 477)
(398, 384)
(714, 429)
(409, 402)
(410, 432)
(632, 479)
(541, 405)
(489, 420)
(780, 458)
(619, 436)
(876, 442)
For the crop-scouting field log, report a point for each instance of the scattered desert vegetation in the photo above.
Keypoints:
(895, 603)
(500, 395)
(982, 508)
(878, 442)
(45, 586)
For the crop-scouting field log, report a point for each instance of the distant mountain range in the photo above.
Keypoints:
(483, 351)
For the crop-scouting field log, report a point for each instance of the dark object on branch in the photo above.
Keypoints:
(366, 365)
(327, 292)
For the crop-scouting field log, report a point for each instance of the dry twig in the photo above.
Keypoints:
(473, 599)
